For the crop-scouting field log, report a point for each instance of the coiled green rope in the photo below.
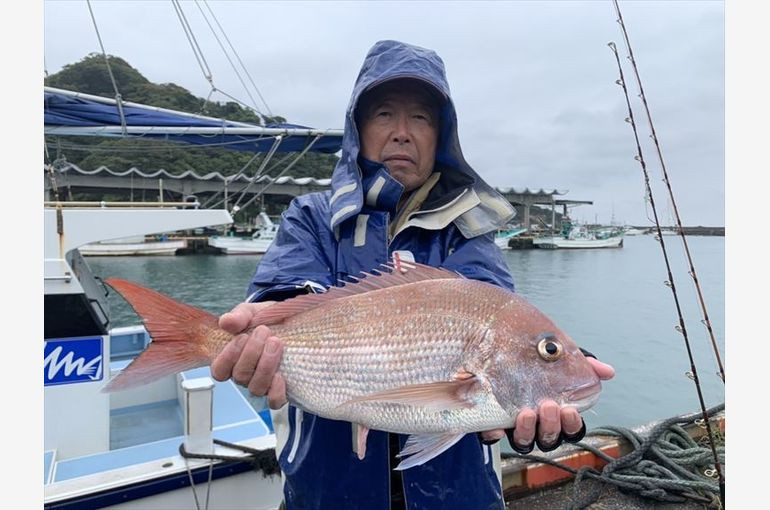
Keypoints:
(666, 465)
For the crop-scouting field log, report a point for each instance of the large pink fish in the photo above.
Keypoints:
(417, 350)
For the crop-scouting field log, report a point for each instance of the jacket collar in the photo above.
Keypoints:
(388, 60)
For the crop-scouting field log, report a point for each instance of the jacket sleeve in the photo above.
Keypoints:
(479, 258)
(296, 262)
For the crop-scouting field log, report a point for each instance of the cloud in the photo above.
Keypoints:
(533, 82)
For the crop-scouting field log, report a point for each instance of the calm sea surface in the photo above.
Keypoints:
(613, 302)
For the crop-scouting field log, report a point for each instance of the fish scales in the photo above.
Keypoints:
(428, 353)
(356, 346)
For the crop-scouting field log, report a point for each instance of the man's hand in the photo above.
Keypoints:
(553, 421)
(251, 358)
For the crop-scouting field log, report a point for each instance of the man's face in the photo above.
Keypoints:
(399, 128)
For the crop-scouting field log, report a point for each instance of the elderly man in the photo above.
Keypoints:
(401, 186)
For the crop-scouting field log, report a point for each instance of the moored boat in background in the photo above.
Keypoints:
(503, 237)
(136, 245)
(579, 236)
(256, 244)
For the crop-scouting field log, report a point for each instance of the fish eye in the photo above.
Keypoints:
(550, 349)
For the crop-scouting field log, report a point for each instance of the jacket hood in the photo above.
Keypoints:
(388, 60)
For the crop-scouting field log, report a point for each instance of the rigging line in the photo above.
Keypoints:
(672, 202)
(196, 50)
(175, 145)
(231, 178)
(235, 99)
(239, 58)
(262, 191)
(201, 58)
(235, 69)
(681, 328)
(275, 165)
(261, 168)
(118, 98)
(193, 42)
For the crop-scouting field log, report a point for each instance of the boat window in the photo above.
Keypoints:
(70, 315)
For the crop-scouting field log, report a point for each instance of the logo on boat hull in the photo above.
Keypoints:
(73, 361)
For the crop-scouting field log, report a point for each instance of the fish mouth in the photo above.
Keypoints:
(584, 396)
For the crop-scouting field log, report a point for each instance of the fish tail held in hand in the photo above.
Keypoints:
(179, 335)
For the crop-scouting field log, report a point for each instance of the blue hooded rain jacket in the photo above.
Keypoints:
(323, 238)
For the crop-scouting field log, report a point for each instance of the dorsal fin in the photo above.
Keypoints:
(387, 276)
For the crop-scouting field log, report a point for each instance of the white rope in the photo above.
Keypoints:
(239, 59)
(192, 484)
(193, 43)
(227, 55)
(259, 171)
(200, 58)
(257, 195)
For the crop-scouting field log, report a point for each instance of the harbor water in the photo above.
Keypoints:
(613, 302)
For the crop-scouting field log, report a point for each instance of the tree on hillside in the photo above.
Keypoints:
(90, 76)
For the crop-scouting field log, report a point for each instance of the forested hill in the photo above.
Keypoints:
(90, 76)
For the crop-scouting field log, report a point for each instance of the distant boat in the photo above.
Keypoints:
(257, 244)
(666, 231)
(503, 237)
(632, 231)
(136, 245)
(581, 237)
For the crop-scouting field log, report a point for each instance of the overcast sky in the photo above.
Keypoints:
(533, 82)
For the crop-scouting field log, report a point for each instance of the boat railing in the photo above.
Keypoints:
(104, 204)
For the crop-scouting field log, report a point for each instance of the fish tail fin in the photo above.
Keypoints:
(178, 333)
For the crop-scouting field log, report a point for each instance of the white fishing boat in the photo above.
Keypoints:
(184, 441)
(136, 245)
(123, 449)
(579, 237)
(503, 237)
(257, 244)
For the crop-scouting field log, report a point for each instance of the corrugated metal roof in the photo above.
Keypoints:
(191, 174)
(527, 191)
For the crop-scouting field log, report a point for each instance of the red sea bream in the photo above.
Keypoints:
(418, 350)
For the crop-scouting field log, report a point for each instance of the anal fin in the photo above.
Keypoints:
(359, 440)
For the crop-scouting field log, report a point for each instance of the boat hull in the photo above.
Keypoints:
(123, 249)
(239, 246)
(561, 243)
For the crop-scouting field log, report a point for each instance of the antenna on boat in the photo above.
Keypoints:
(693, 374)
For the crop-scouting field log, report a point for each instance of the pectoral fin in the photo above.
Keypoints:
(457, 394)
(421, 448)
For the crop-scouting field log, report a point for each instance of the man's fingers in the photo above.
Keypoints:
(549, 426)
(526, 423)
(491, 436)
(243, 371)
(267, 367)
(571, 422)
(242, 317)
(276, 395)
(222, 366)
(603, 370)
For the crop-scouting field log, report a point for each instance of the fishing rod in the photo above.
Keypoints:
(670, 282)
(706, 321)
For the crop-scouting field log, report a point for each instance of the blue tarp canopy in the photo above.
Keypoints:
(71, 113)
